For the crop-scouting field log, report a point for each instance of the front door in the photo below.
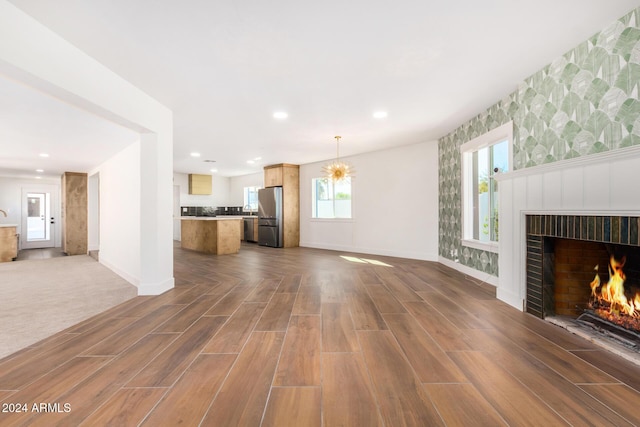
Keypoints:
(38, 230)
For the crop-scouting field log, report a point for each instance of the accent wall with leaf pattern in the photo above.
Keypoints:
(584, 102)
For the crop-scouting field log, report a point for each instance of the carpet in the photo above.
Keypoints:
(41, 297)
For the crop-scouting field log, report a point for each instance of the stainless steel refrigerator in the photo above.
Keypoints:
(270, 217)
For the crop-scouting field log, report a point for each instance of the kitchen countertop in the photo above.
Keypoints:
(218, 217)
(8, 225)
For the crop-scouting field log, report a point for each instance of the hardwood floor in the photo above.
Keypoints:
(304, 337)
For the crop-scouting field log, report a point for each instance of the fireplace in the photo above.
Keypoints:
(584, 266)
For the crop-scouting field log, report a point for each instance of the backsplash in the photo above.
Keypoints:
(213, 211)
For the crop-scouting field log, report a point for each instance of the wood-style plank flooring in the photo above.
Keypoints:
(305, 337)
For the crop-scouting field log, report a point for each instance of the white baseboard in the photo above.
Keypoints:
(143, 288)
(510, 298)
(505, 296)
(156, 288)
(479, 275)
(126, 276)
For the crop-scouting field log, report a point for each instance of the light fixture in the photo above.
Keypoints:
(338, 170)
(44, 155)
(251, 162)
(194, 154)
(39, 170)
(280, 115)
(380, 115)
(214, 170)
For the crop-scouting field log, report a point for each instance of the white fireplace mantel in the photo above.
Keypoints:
(598, 184)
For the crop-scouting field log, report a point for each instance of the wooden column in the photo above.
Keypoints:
(74, 213)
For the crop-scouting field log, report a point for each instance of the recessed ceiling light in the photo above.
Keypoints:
(44, 155)
(280, 115)
(257, 158)
(214, 170)
(38, 177)
(39, 170)
(250, 162)
(380, 115)
(194, 154)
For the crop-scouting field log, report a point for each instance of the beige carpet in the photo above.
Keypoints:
(41, 297)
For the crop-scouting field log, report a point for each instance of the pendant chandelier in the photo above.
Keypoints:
(338, 170)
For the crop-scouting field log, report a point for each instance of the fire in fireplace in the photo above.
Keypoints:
(562, 251)
(613, 301)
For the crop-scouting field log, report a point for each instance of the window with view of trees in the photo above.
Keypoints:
(331, 199)
(482, 159)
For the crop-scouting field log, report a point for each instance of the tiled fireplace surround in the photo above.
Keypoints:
(594, 196)
(559, 271)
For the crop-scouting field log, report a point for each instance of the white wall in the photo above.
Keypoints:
(237, 184)
(395, 205)
(93, 212)
(219, 191)
(219, 197)
(120, 200)
(596, 184)
(36, 56)
(11, 201)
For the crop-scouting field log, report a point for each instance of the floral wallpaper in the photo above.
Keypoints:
(584, 102)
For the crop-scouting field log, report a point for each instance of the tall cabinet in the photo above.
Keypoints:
(74, 213)
(287, 176)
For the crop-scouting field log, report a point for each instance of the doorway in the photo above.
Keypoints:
(39, 213)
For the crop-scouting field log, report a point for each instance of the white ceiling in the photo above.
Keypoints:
(225, 66)
(32, 123)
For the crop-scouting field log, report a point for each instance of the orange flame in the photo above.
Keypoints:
(613, 291)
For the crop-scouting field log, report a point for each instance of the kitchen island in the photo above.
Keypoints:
(212, 235)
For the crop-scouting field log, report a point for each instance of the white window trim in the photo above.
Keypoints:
(466, 151)
(334, 219)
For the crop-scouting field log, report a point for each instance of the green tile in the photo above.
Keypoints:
(633, 231)
(615, 229)
(624, 230)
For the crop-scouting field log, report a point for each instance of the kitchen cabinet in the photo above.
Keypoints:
(200, 184)
(273, 175)
(255, 230)
(74, 213)
(8, 243)
(287, 176)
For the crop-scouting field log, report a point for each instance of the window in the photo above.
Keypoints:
(482, 159)
(251, 198)
(331, 199)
